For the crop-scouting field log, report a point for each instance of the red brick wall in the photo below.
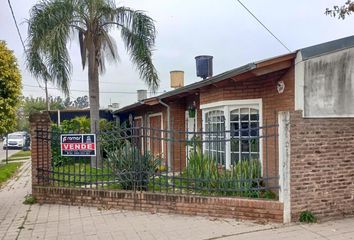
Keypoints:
(239, 208)
(322, 166)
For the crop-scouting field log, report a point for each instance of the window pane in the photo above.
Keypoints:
(254, 114)
(234, 116)
(235, 158)
(255, 156)
(245, 156)
(234, 127)
(244, 129)
(254, 129)
(245, 146)
(254, 145)
(235, 145)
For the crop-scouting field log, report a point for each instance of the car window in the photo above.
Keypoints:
(13, 136)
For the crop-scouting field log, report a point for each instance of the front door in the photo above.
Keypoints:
(155, 135)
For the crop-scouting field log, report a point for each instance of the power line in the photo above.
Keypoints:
(259, 21)
(82, 80)
(19, 34)
(86, 91)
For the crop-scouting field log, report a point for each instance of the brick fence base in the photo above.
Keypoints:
(238, 208)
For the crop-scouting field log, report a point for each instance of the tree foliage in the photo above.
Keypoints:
(341, 11)
(10, 89)
(29, 105)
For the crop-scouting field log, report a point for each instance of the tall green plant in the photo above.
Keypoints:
(240, 180)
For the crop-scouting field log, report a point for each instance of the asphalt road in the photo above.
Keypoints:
(3, 152)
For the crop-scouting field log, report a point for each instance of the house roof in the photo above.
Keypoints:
(327, 47)
(212, 80)
(256, 68)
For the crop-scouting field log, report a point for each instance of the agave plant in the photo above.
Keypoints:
(132, 169)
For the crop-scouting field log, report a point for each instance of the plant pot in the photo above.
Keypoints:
(191, 113)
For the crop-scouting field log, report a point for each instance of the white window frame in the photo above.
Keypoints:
(227, 106)
(204, 130)
(188, 148)
(162, 141)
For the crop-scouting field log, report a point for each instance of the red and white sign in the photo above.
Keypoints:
(78, 144)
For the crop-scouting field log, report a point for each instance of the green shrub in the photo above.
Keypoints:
(131, 168)
(241, 179)
(307, 217)
(29, 199)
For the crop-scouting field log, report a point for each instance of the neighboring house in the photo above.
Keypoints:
(58, 116)
(309, 93)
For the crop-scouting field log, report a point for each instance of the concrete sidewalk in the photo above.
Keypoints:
(18, 221)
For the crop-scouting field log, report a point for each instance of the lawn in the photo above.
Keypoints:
(21, 154)
(7, 171)
(80, 174)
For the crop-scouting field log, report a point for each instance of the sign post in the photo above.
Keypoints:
(78, 145)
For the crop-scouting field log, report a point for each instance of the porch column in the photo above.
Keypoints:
(284, 164)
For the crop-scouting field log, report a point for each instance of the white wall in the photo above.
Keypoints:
(324, 85)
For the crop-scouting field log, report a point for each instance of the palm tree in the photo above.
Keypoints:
(51, 25)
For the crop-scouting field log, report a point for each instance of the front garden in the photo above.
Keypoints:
(126, 166)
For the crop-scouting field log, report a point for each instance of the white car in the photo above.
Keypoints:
(17, 140)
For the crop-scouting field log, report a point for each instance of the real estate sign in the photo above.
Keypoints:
(78, 144)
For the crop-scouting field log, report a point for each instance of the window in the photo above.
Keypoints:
(232, 131)
(244, 134)
(215, 135)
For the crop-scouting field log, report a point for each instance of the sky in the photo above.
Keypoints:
(186, 29)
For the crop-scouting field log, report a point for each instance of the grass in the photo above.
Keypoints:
(7, 171)
(307, 217)
(21, 154)
(80, 174)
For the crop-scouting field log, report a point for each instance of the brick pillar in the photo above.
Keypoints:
(40, 147)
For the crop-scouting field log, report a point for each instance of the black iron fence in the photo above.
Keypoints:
(239, 161)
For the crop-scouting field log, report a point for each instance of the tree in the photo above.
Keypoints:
(29, 105)
(81, 102)
(10, 89)
(50, 27)
(341, 11)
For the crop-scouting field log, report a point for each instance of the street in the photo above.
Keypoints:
(3, 152)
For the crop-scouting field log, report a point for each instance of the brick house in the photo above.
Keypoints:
(307, 95)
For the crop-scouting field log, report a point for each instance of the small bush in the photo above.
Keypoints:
(29, 199)
(131, 168)
(307, 217)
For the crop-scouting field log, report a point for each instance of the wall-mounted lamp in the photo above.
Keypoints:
(280, 86)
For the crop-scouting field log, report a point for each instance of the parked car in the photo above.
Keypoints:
(17, 140)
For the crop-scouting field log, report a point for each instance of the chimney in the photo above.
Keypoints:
(141, 94)
(204, 64)
(177, 79)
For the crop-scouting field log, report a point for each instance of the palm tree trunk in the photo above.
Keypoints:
(94, 101)
(46, 95)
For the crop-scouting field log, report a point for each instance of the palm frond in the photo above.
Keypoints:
(49, 31)
(138, 33)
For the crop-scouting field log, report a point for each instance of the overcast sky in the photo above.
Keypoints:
(186, 29)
